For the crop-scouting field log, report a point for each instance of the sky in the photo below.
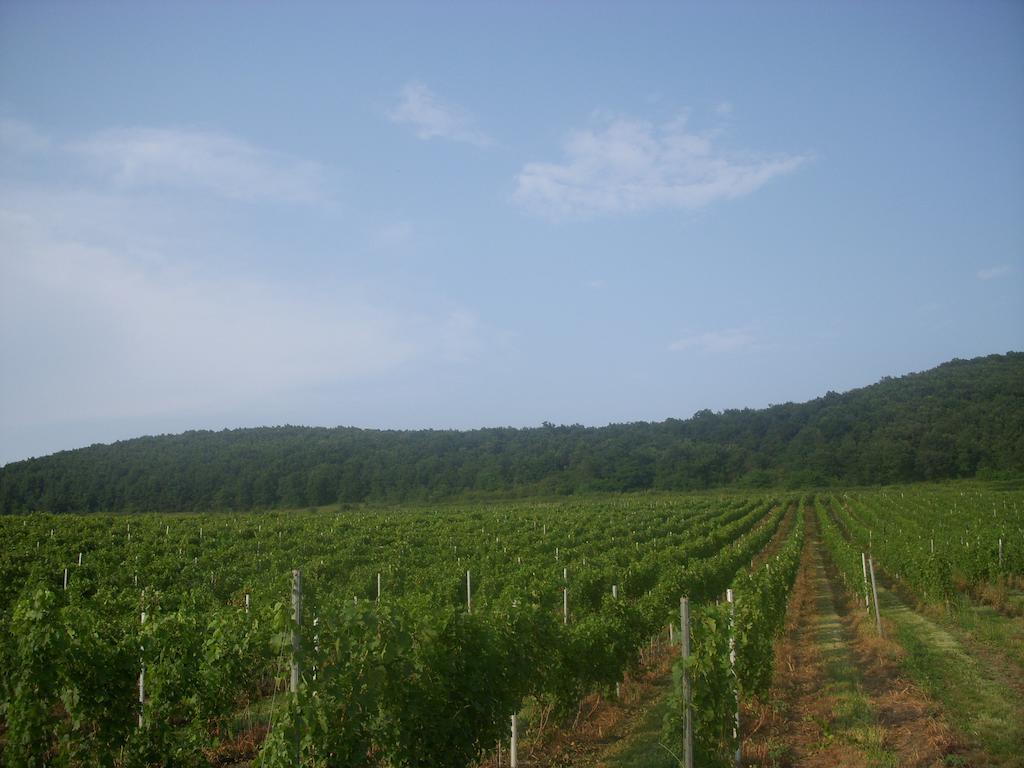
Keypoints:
(461, 215)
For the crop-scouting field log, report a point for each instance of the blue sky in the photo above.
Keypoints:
(463, 215)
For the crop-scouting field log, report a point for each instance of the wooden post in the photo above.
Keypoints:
(246, 602)
(65, 579)
(469, 595)
(142, 680)
(732, 664)
(864, 565)
(1000, 554)
(79, 559)
(684, 638)
(297, 619)
(378, 587)
(565, 605)
(513, 747)
(615, 591)
(874, 591)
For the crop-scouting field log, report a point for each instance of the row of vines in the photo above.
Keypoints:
(402, 662)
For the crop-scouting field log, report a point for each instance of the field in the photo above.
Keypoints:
(413, 635)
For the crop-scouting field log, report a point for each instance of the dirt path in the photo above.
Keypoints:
(838, 696)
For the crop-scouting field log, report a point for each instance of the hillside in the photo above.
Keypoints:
(964, 418)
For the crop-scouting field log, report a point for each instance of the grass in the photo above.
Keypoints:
(852, 719)
(979, 702)
(643, 749)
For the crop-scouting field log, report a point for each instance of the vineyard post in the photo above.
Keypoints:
(297, 620)
(246, 602)
(65, 579)
(684, 628)
(513, 745)
(565, 605)
(142, 679)
(615, 596)
(469, 595)
(732, 664)
(1000, 554)
(378, 587)
(874, 591)
(79, 559)
(864, 565)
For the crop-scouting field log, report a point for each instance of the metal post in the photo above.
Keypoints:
(864, 565)
(684, 625)
(297, 619)
(874, 591)
(142, 679)
(513, 747)
(732, 664)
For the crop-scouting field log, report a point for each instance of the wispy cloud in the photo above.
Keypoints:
(724, 340)
(626, 165)
(18, 137)
(431, 118)
(991, 273)
(216, 162)
(98, 332)
(393, 237)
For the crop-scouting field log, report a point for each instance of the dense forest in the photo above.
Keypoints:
(964, 418)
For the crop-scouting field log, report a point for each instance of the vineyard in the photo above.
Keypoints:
(439, 637)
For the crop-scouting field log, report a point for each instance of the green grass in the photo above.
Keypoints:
(642, 748)
(986, 626)
(852, 719)
(978, 701)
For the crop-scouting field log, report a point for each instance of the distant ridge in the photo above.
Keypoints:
(964, 418)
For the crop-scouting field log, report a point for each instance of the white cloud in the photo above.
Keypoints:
(393, 237)
(216, 162)
(724, 340)
(627, 165)
(431, 118)
(992, 273)
(18, 137)
(724, 108)
(95, 333)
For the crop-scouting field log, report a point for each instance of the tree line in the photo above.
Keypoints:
(964, 418)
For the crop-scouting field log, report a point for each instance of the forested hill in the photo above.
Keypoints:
(962, 419)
